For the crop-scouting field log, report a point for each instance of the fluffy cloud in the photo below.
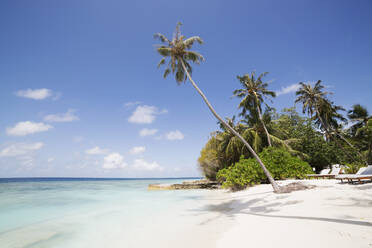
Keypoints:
(96, 151)
(27, 127)
(65, 117)
(147, 132)
(20, 149)
(174, 135)
(145, 114)
(288, 89)
(144, 165)
(137, 150)
(36, 94)
(113, 161)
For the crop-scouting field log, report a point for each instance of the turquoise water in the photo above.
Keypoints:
(87, 213)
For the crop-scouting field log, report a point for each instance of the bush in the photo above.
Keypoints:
(208, 160)
(278, 161)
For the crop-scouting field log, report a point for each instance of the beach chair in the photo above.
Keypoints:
(322, 173)
(335, 172)
(366, 175)
(343, 177)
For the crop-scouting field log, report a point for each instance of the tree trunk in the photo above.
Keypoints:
(263, 124)
(275, 186)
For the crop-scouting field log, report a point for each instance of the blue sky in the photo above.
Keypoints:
(78, 79)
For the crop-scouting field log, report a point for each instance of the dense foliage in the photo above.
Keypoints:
(288, 130)
(247, 172)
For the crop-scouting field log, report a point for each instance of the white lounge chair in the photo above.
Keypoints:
(346, 176)
(322, 173)
(334, 172)
(365, 175)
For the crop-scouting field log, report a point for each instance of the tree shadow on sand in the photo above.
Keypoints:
(264, 208)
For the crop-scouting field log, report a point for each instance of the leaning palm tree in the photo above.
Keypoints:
(253, 93)
(178, 51)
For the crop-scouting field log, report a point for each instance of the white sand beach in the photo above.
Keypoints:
(330, 215)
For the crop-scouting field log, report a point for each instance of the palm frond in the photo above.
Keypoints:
(162, 62)
(190, 41)
(161, 37)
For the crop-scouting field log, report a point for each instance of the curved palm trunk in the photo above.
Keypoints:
(275, 186)
(264, 126)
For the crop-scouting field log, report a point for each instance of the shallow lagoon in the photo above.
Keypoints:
(94, 212)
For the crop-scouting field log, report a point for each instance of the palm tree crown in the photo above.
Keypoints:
(311, 97)
(253, 93)
(178, 51)
(359, 116)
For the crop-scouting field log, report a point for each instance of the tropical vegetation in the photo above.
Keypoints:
(264, 145)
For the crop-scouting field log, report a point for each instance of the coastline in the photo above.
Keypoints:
(329, 215)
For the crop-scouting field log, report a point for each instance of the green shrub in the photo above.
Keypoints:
(278, 161)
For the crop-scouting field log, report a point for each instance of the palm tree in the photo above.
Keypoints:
(312, 98)
(179, 54)
(253, 132)
(366, 133)
(253, 93)
(359, 116)
(230, 146)
(314, 101)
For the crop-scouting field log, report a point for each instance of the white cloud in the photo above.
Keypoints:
(20, 149)
(27, 127)
(113, 161)
(50, 160)
(288, 89)
(36, 94)
(145, 114)
(147, 132)
(137, 150)
(174, 135)
(144, 165)
(96, 151)
(65, 117)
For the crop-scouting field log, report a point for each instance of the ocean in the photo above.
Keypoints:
(88, 212)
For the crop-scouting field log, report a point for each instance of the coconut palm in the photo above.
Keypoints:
(359, 116)
(366, 133)
(314, 101)
(253, 93)
(230, 146)
(253, 131)
(178, 51)
(312, 98)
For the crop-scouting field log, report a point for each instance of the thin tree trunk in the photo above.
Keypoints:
(263, 124)
(275, 186)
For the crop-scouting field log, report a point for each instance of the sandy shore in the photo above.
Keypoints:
(331, 215)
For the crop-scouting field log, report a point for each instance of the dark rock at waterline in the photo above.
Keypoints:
(198, 184)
